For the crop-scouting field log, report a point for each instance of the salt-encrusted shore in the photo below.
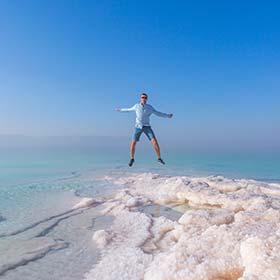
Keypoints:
(228, 229)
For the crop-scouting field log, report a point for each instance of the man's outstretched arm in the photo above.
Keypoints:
(160, 114)
(126, 109)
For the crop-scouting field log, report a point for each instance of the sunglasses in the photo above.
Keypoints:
(144, 97)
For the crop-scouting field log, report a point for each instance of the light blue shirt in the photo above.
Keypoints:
(143, 113)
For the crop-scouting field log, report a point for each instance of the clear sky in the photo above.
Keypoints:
(66, 65)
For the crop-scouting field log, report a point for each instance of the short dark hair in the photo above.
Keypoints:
(145, 94)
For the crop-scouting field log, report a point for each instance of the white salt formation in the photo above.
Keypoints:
(230, 229)
(85, 202)
(102, 238)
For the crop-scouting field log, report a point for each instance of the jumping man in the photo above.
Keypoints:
(143, 112)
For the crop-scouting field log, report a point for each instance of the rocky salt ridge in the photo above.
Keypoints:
(229, 230)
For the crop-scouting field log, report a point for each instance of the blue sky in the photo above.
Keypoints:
(65, 66)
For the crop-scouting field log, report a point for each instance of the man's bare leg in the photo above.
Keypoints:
(132, 148)
(156, 146)
(157, 149)
(132, 152)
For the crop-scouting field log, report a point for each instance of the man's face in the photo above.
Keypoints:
(144, 99)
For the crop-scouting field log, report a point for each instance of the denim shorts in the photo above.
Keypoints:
(146, 129)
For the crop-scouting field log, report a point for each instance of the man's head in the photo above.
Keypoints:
(144, 98)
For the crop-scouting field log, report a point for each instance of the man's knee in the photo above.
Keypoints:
(154, 141)
(133, 143)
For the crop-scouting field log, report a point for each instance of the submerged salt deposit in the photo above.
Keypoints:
(228, 229)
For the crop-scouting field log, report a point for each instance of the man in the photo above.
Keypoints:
(143, 112)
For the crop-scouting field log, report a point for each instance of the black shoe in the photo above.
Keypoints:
(131, 162)
(161, 161)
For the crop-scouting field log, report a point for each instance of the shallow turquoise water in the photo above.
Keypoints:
(21, 167)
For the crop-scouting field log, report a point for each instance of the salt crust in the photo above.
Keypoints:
(229, 230)
(85, 202)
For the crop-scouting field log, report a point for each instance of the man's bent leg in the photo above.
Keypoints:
(156, 146)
